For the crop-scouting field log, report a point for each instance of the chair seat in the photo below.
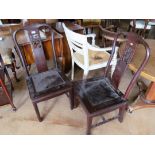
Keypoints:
(140, 24)
(98, 94)
(95, 57)
(46, 82)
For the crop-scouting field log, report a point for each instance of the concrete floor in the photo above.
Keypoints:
(59, 119)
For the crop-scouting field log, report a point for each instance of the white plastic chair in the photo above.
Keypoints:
(87, 56)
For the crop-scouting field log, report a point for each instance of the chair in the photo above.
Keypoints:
(7, 47)
(87, 56)
(48, 81)
(108, 37)
(5, 88)
(10, 61)
(111, 24)
(101, 95)
(141, 26)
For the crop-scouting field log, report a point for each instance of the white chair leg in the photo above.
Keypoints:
(85, 74)
(72, 74)
(112, 69)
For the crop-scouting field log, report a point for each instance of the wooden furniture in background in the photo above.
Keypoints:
(148, 73)
(5, 88)
(66, 61)
(108, 37)
(101, 95)
(141, 26)
(7, 48)
(47, 82)
(25, 46)
(87, 56)
(90, 24)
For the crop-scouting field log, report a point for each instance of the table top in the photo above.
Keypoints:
(149, 70)
(74, 27)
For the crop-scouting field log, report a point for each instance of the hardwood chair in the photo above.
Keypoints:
(111, 24)
(108, 37)
(5, 88)
(101, 95)
(48, 82)
(87, 56)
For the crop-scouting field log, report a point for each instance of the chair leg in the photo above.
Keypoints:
(121, 113)
(13, 68)
(89, 123)
(7, 75)
(13, 107)
(8, 96)
(72, 74)
(71, 94)
(37, 111)
(129, 28)
(85, 74)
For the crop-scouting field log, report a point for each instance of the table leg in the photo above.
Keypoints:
(150, 95)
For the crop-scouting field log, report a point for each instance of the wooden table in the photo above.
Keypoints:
(66, 51)
(148, 73)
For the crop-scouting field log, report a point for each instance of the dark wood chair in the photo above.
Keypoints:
(101, 95)
(49, 81)
(6, 89)
(108, 37)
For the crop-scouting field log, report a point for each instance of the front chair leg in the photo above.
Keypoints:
(37, 111)
(121, 113)
(89, 124)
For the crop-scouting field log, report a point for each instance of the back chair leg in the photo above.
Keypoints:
(89, 124)
(71, 96)
(121, 113)
(37, 111)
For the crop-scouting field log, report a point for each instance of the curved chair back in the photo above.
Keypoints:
(34, 35)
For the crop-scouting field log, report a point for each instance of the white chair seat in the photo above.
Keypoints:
(140, 24)
(95, 57)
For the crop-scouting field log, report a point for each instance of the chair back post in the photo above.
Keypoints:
(143, 64)
(21, 54)
(111, 55)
